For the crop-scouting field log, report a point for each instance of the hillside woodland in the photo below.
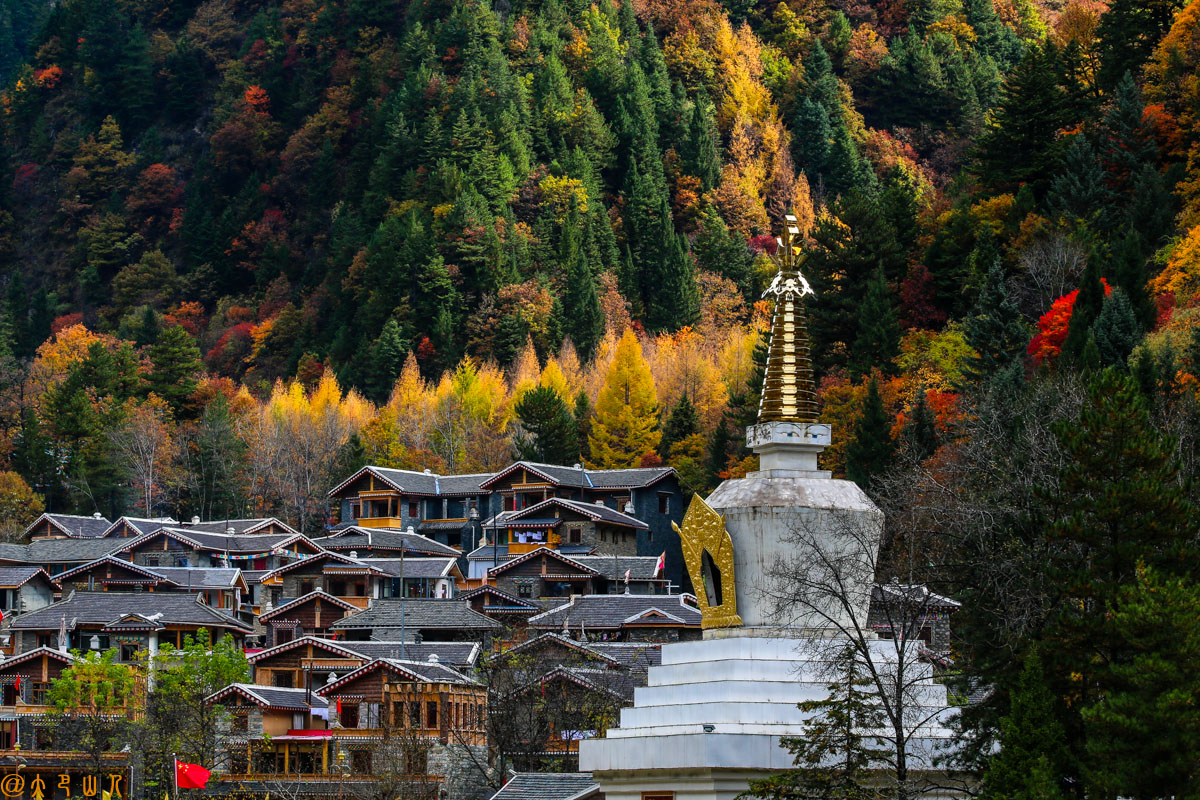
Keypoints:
(249, 245)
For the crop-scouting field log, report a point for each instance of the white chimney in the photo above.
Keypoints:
(97, 516)
(195, 520)
(354, 554)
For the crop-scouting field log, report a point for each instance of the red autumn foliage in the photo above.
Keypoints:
(65, 321)
(1165, 307)
(1053, 326)
(918, 300)
(763, 243)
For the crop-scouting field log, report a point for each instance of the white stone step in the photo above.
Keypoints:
(761, 691)
(734, 669)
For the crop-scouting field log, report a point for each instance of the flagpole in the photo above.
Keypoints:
(175, 773)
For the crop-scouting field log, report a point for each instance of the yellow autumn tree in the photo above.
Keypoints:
(625, 427)
(1182, 273)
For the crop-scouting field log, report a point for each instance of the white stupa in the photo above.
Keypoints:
(711, 717)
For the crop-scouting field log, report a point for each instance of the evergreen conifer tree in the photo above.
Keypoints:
(551, 435)
(681, 423)
(1087, 307)
(583, 424)
(386, 361)
(878, 341)
(1033, 750)
(582, 317)
(871, 448)
(1116, 330)
(920, 434)
(995, 330)
(175, 365)
(1128, 32)
(836, 757)
(1144, 733)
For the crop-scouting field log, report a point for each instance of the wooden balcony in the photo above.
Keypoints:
(380, 522)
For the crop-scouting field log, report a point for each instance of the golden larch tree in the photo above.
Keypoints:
(626, 424)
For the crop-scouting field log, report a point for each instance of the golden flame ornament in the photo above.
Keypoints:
(708, 555)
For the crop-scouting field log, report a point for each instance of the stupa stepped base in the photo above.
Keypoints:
(712, 715)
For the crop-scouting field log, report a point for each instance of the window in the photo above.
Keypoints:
(240, 723)
(658, 796)
(43, 640)
(510, 503)
(129, 652)
(282, 636)
(575, 535)
(283, 680)
(664, 503)
(524, 590)
(306, 586)
(337, 588)
(416, 760)
(349, 715)
(412, 509)
(431, 714)
(360, 762)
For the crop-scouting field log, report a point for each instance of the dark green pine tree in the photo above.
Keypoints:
(582, 317)
(1116, 503)
(836, 758)
(385, 361)
(1116, 330)
(871, 448)
(583, 424)
(1144, 733)
(681, 423)
(1126, 144)
(136, 70)
(996, 331)
(1021, 142)
(1078, 187)
(184, 72)
(919, 435)
(848, 248)
(1086, 309)
(878, 341)
(1033, 753)
(993, 37)
(148, 329)
(812, 139)
(550, 434)
(720, 250)
(174, 367)
(701, 149)
(1128, 32)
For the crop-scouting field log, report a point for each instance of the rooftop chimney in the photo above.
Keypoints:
(97, 516)
(195, 520)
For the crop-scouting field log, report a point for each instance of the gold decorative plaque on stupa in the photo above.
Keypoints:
(708, 554)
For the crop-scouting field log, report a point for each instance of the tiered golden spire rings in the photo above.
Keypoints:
(788, 391)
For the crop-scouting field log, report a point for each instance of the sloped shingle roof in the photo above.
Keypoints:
(614, 611)
(356, 538)
(419, 614)
(12, 577)
(60, 551)
(271, 696)
(101, 608)
(74, 525)
(547, 786)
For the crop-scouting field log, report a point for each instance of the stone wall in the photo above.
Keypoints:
(461, 767)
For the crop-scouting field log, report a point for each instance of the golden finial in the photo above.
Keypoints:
(788, 393)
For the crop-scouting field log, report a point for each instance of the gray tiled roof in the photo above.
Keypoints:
(199, 577)
(489, 553)
(240, 526)
(641, 568)
(431, 671)
(76, 526)
(412, 567)
(60, 551)
(101, 608)
(627, 478)
(605, 513)
(273, 697)
(250, 543)
(11, 577)
(546, 786)
(463, 484)
(143, 525)
(356, 538)
(610, 611)
(595, 478)
(423, 483)
(419, 614)
(456, 654)
(452, 525)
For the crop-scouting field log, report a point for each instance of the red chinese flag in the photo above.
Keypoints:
(190, 776)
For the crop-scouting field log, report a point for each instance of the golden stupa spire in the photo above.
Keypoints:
(788, 393)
